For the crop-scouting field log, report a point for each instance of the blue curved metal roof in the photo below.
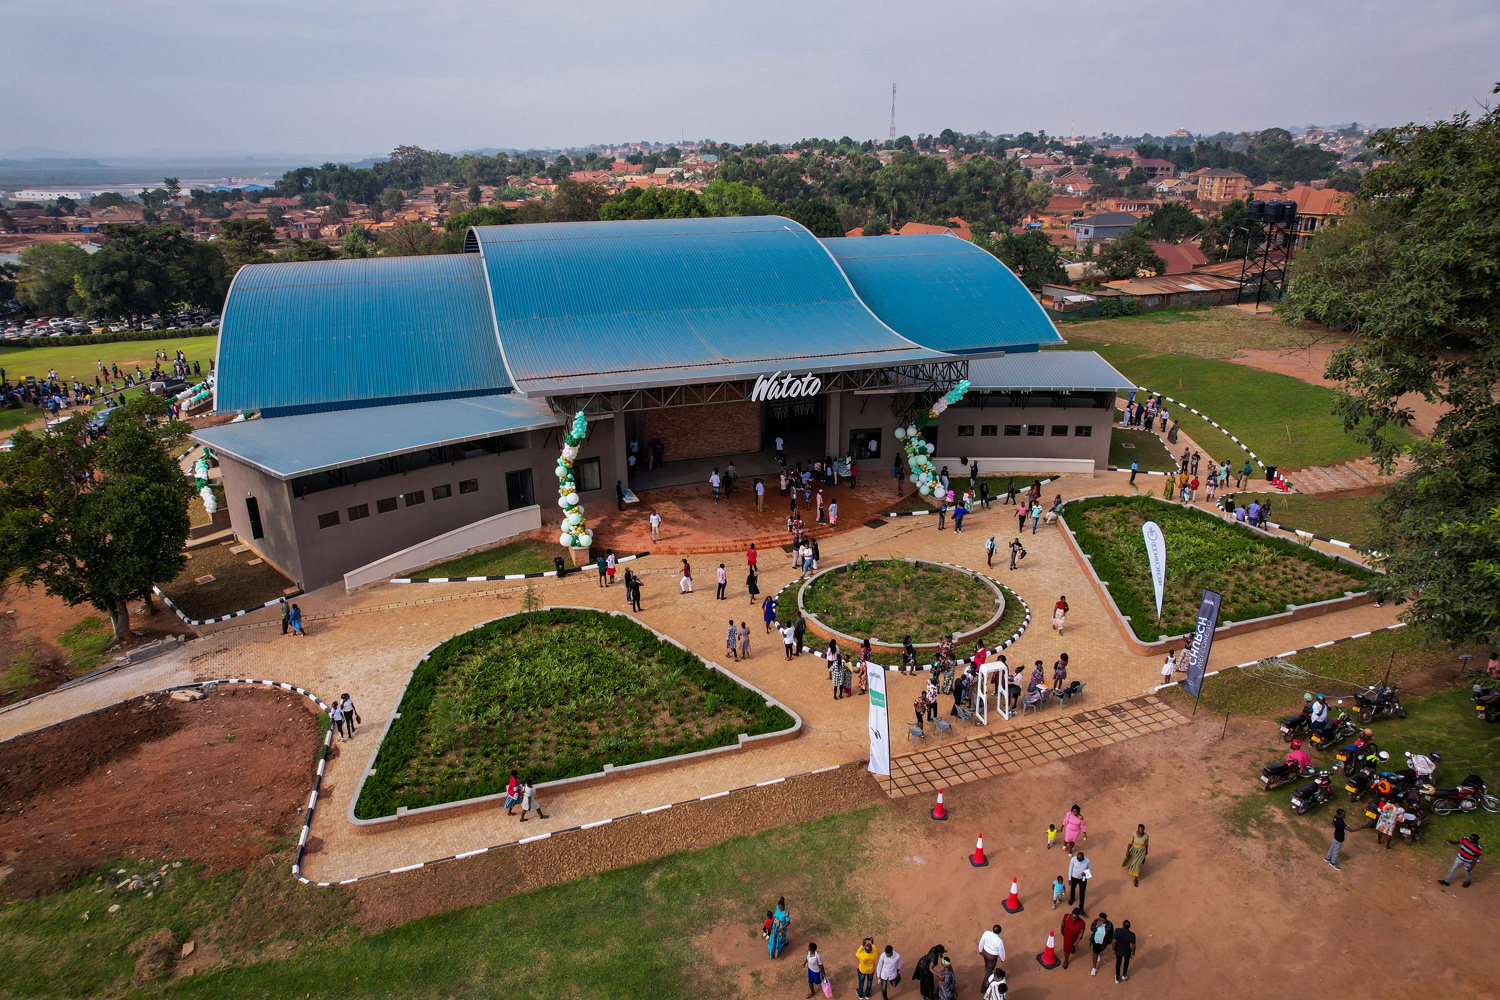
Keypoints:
(943, 292)
(598, 305)
(337, 334)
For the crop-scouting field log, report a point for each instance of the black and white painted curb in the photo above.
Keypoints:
(222, 618)
(1289, 653)
(993, 499)
(1212, 422)
(1322, 538)
(513, 576)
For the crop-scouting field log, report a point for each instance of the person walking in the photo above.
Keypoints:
(351, 716)
(528, 800)
(715, 481)
(760, 494)
(888, 970)
(959, 510)
(1074, 829)
(633, 589)
(286, 615)
(721, 576)
(833, 513)
(865, 959)
(1072, 929)
(788, 639)
(799, 632)
(1017, 550)
(942, 514)
(599, 565)
(1124, 946)
(989, 551)
(1101, 933)
(1469, 853)
(991, 949)
(336, 718)
(655, 526)
(1339, 827)
(1135, 853)
(295, 620)
(1135, 468)
(744, 634)
(926, 972)
(686, 583)
(732, 641)
(813, 963)
(1060, 614)
(1036, 515)
(512, 794)
(752, 584)
(768, 612)
(610, 563)
(1079, 873)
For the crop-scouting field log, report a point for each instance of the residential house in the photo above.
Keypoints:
(960, 229)
(1267, 191)
(1157, 169)
(1181, 258)
(1139, 206)
(1173, 188)
(1105, 226)
(1317, 209)
(1221, 185)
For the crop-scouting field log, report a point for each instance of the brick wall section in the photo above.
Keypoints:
(704, 431)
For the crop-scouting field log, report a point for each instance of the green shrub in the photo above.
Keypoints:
(112, 338)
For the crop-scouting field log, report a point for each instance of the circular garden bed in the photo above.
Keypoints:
(554, 694)
(887, 599)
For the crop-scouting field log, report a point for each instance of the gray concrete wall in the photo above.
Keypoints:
(279, 544)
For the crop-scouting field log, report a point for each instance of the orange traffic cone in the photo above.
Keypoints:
(938, 812)
(1013, 903)
(977, 859)
(1048, 958)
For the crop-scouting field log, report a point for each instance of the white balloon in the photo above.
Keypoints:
(585, 540)
(911, 431)
(563, 502)
(931, 448)
(564, 538)
(900, 433)
(572, 499)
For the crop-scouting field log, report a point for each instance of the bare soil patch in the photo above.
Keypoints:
(222, 780)
(1309, 364)
(236, 584)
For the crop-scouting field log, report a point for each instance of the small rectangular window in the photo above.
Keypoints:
(362, 511)
(1083, 431)
(989, 430)
(587, 475)
(442, 492)
(1012, 430)
(468, 486)
(1059, 430)
(415, 497)
(385, 506)
(329, 519)
(1035, 430)
(965, 430)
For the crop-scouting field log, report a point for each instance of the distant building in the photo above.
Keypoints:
(1106, 226)
(1156, 169)
(1317, 209)
(1221, 185)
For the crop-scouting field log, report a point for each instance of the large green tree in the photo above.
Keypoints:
(1030, 255)
(1410, 273)
(1170, 223)
(96, 522)
(46, 285)
(143, 270)
(244, 241)
(1130, 256)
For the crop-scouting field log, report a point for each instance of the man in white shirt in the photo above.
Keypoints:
(714, 481)
(1079, 873)
(887, 968)
(780, 451)
(655, 526)
(991, 949)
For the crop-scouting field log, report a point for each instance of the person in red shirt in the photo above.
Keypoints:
(1072, 929)
(512, 795)
(751, 555)
(1298, 757)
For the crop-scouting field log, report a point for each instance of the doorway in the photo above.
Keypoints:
(865, 445)
(518, 489)
(252, 510)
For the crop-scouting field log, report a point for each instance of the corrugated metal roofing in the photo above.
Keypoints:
(339, 333)
(943, 292)
(1047, 370)
(596, 305)
(298, 445)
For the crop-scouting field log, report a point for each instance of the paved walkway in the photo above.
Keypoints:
(366, 644)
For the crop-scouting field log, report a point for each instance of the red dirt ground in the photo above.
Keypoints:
(223, 781)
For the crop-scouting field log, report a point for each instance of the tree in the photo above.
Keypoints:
(654, 203)
(46, 284)
(96, 522)
(173, 188)
(410, 239)
(877, 226)
(576, 201)
(358, 243)
(305, 250)
(393, 199)
(1224, 237)
(9, 273)
(1169, 224)
(723, 197)
(143, 270)
(108, 199)
(1409, 271)
(275, 215)
(474, 195)
(1030, 255)
(821, 218)
(244, 241)
(1129, 256)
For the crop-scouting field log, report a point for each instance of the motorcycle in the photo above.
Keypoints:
(1340, 728)
(1377, 702)
(1368, 779)
(1412, 819)
(1486, 703)
(1467, 796)
(1314, 793)
(1355, 755)
(1279, 773)
(1292, 727)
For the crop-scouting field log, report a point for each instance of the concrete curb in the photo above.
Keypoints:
(512, 576)
(222, 618)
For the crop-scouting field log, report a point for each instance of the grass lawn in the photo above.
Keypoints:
(1128, 445)
(603, 936)
(1287, 422)
(554, 694)
(526, 555)
(890, 599)
(1257, 576)
(82, 360)
(1346, 518)
(1202, 332)
(236, 584)
(86, 642)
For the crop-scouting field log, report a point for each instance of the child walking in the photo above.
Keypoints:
(1051, 835)
(1059, 886)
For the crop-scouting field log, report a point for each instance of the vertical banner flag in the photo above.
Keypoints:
(1203, 643)
(880, 723)
(1156, 551)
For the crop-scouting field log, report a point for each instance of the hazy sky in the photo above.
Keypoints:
(344, 77)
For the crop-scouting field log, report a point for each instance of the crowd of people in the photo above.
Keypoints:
(54, 394)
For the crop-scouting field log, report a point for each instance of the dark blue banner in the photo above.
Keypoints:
(1203, 643)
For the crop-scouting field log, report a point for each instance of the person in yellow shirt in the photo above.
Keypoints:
(864, 958)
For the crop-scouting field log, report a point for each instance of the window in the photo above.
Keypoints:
(415, 497)
(329, 519)
(965, 430)
(989, 430)
(442, 492)
(1059, 430)
(587, 475)
(1012, 430)
(1035, 430)
(385, 506)
(362, 511)
(468, 486)
(1083, 431)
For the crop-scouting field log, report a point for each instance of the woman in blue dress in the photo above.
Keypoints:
(768, 612)
(780, 919)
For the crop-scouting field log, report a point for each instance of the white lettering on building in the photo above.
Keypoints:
(779, 386)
